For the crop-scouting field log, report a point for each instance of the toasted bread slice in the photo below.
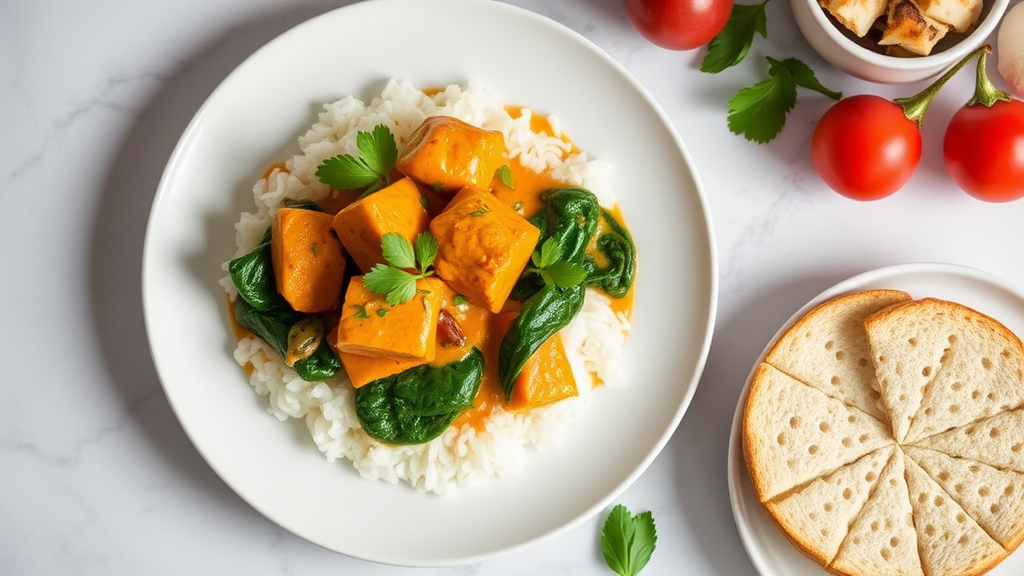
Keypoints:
(793, 433)
(950, 542)
(816, 516)
(828, 348)
(993, 497)
(960, 15)
(882, 539)
(856, 15)
(980, 374)
(908, 27)
(997, 441)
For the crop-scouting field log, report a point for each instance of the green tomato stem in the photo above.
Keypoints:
(985, 92)
(915, 106)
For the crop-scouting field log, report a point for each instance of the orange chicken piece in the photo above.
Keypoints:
(371, 327)
(398, 208)
(308, 260)
(448, 154)
(483, 247)
(546, 377)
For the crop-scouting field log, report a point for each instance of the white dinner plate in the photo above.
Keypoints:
(253, 119)
(769, 551)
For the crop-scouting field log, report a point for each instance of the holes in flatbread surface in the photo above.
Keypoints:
(847, 441)
(994, 508)
(830, 345)
(912, 342)
(824, 427)
(961, 517)
(956, 386)
(1008, 491)
(847, 494)
(863, 438)
(812, 449)
(794, 422)
(929, 530)
(835, 381)
(944, 475)
(828, 506)
(984, 491)
(975, 394)
(862, 362)
(993, 432)
(781, 439)
(894, 542)
(939, 501)
(886, 554)
(986, 363)
(870, 477)
(954, 408)
(926, 371)
(1017, 447)
(840, 355)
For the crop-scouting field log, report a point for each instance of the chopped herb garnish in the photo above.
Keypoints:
(459, 300)
(504, 175)
(360, 312)
(392, 279)
(480, 211)
(382, 312)
(517, 206)
(628, 541)
(378, 154)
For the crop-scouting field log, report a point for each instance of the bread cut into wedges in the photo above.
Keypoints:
(941, 365)
(997, 441)
(828, 349)
(882, 539)
(993, 497)
(817, 515)
(950, 542)
(907, 351)
(980, 374)
(793, 433)
(908, 27)
(858, 16)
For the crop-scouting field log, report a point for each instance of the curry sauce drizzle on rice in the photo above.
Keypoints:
(490, 439)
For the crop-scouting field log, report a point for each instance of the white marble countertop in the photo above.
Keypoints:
(97, 476)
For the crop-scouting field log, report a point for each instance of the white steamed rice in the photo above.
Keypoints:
(594, 341)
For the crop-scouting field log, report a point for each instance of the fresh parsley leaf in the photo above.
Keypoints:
(504, 175)
(378, 149)
(360, 312)
(382, 312)
(563, 274)
(395, 284)
(397, 251)
(392, 279)
(378, 154)
(459, 300)
(425, 247)
(730, 46)
(758, 112)
(548, 263)
(628, 541)
(480, 211)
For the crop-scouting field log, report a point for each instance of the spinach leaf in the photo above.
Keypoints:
(570, 217)
(261, 309)
(615, 243)
(543, 314)
(253, 275)
(273, 325)
(418, 404)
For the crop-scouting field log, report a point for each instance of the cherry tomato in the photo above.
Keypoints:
(865, 147)
(984, 150)
(678, 24)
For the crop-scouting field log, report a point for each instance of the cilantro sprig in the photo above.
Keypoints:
(758, 112)
(548, 263)
(730, 46)
(378, 154)
(393, 280)
(628, 541)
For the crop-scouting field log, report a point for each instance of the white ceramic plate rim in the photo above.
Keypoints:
(253, 118)
(769, 551)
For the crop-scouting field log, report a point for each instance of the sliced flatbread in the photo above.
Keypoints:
(950, 542)
(908, 27)
(997, 441)
(981, 374)
(882, 539)
(817, 515)
(993, 497)
(907, 352)
(960, 15)
(793, 433)
(828, 349)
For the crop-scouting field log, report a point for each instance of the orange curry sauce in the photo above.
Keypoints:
(476, 322)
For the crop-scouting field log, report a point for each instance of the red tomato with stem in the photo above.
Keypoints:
(678, 24)
(865, 147)
(984, 143)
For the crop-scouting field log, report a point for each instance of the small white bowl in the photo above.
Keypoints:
(851, 55)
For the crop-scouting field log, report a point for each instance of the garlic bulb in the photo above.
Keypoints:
(1010, 49)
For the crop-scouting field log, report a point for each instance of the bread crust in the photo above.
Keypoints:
(899, 309)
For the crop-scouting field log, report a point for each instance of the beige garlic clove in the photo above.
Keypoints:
(1010, 49)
